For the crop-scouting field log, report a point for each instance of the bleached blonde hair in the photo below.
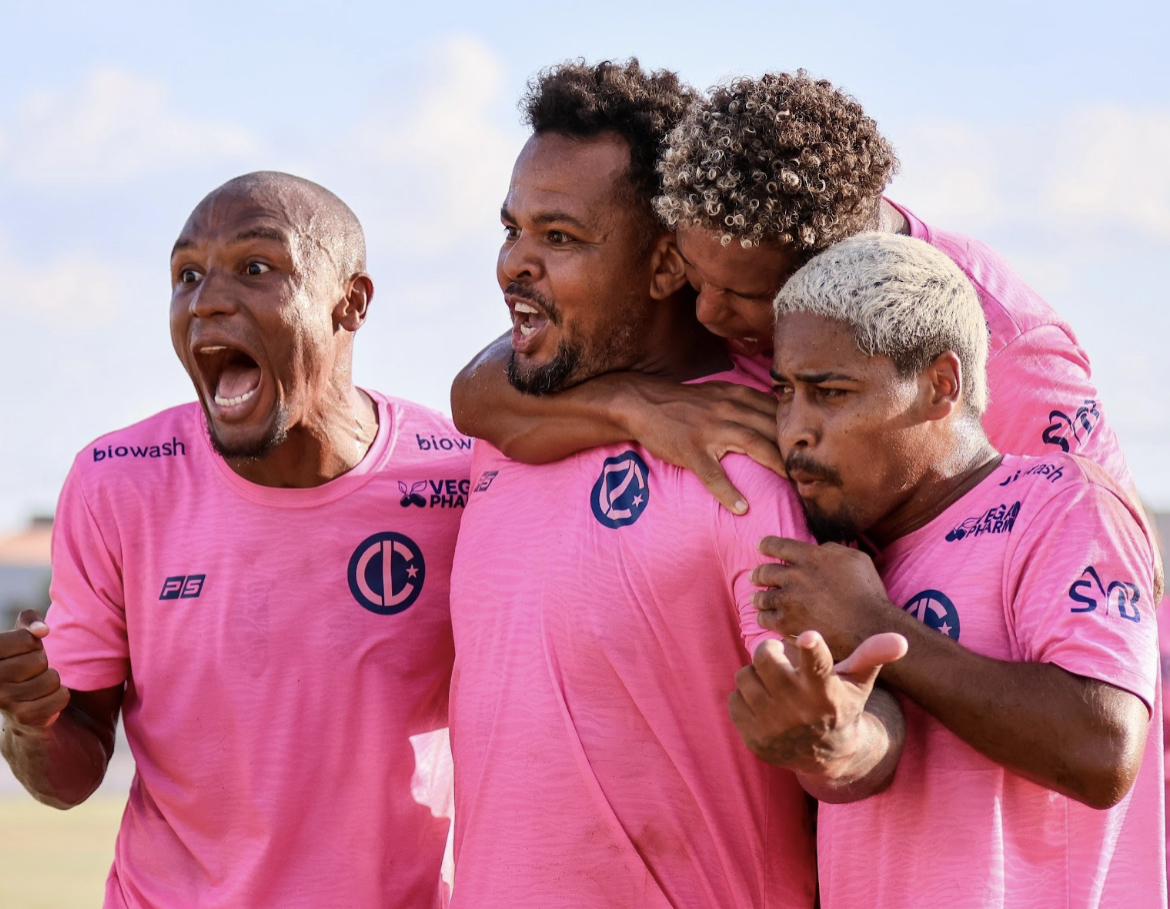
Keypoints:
(903, 299)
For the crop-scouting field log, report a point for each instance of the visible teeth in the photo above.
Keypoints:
(526, 330)
(231, 402)
(207, 350)
(525, 308)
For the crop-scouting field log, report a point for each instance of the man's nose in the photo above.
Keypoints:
(519, 261)
(710, 308)
(796, 425)
(214, 296)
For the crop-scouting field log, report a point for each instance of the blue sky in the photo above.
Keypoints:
(1043, 129)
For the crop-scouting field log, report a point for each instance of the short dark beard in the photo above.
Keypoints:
(272, 440)
(546, 379)
(830, 528)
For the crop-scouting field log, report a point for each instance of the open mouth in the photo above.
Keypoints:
(231, 376)
(528, 321)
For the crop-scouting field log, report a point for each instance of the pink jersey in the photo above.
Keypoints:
(1042, 562)
(286, 654)
(601, 610)
(1042, 396)
(1164, 642)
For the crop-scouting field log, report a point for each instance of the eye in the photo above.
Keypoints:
(831, 392)
(559, 237)
(189, 276)
(256, 268)
(782, 391)
(511, 234)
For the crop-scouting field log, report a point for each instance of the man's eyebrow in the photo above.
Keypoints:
(182, 244)
(547, 217)
(261, 233)
(812, 378)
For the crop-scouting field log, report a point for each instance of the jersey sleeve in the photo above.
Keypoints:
(87, 641)
(1043, 400)
(774, 510)
(1080, 586)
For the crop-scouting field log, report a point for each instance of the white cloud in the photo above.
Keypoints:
(1117, 171)
(437, 156)
(115, 128)
(73, 289)
(1092, 170)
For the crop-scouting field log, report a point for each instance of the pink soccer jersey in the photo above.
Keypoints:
(601, 610)
(286, 654)
(1042, 396)
(1042, 562)
(1164, 643)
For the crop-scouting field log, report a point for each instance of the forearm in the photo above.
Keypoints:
(1076, 736)
(60, 765)
(534, 429)
(866, 767)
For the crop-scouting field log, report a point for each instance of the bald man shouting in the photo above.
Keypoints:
(258, 582)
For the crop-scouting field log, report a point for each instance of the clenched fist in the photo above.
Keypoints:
(31, 693)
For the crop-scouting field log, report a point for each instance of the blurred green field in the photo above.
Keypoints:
(53, 859)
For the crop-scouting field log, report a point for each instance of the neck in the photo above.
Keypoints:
(678, 347)
(330, 443)
(969, 460)
(890, 220)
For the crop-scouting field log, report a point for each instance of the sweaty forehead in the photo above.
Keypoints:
(806, 342)
(583, 177)
(228, 212)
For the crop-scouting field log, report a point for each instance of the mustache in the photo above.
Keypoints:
(799, 461)
(532, 295)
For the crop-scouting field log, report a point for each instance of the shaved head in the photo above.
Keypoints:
(327, 230)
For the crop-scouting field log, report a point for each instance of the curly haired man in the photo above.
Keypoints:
(758, 178)
(768, 172)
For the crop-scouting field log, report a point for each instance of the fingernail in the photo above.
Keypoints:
(37, 626)
(740, 507)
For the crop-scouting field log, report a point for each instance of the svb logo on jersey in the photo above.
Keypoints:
(1089, 592)
(935, 610)
(622, 492)
(386, 573)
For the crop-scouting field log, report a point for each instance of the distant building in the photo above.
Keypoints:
(24, 571)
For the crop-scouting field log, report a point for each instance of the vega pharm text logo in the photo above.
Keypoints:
(182, 587)
(999, 519)
(434, 493)
(170, 449)
(386, 573)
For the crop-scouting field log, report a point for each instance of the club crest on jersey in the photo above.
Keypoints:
(386, 573)
(934, 609)
(622, 492)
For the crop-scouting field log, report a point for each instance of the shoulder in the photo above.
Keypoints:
(1012, 308)
(774, 508)
(161, 442)
(1069, 490)
(425, 434)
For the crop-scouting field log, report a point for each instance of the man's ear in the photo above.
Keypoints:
(943, 383)
(668, 272)
(350, 311)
